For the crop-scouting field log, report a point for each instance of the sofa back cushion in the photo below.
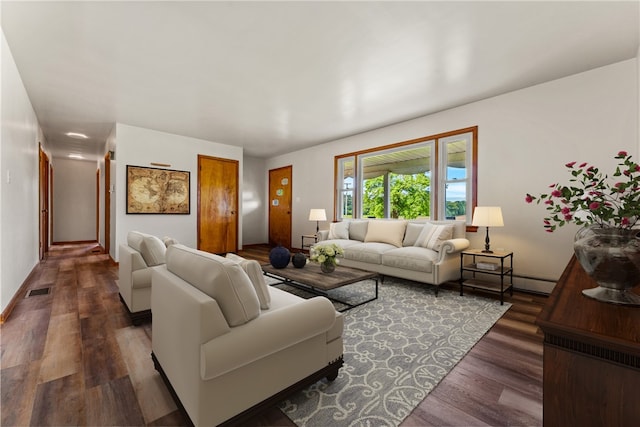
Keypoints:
(386, 231)
(433, 235)
(221, 279)
(134, 240)
(358, 230)
(339, 230)
(459, 227)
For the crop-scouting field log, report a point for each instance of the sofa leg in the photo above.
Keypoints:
(436, 290)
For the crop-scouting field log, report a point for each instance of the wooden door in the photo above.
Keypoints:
(217, 205)
(280, 186)
(44, 203)
(107, 203)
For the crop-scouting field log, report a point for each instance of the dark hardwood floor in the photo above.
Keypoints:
(72, 357)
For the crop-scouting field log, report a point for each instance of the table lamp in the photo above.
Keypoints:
(487, 216)
(317, 215)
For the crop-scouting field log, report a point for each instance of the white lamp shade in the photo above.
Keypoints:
(487, 216)
(317, 215)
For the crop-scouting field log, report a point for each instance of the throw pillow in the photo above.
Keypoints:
(339, 230)
(254, 271)
(358, 230)
(412, 233)
(152, 250)
(168, 241)
(432, 236)
(382, 231)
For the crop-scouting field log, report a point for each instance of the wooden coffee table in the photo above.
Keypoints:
(311, 279)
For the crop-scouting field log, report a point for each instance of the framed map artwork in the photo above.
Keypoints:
(157, 191)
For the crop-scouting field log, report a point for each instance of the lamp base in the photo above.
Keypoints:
(487, 251)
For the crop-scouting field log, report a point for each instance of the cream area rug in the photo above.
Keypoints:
(396, 350)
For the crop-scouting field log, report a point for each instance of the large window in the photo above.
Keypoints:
(431, 177)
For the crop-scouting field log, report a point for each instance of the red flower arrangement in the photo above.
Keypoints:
(591, 199)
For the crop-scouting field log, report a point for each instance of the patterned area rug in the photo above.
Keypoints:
(396, 350)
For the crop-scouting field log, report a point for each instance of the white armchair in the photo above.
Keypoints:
(223, 349)
(136, 260)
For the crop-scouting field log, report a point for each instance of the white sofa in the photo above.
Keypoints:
(136, 260)
(227, 345)
(420, 250)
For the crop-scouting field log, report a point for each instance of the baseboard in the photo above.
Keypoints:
(22, 290)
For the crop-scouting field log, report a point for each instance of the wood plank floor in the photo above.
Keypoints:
(72, 357)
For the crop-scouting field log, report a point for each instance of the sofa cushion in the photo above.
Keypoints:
(412, 233)
(381, 231)
(152, 250)
(254, 271)
(367, 252)
(220, 278)
(410, 258)
(432, 235)
(459, 227)
(339, 230)
(358, 230)
(343, 243)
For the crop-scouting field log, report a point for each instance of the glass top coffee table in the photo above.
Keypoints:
(311, 279)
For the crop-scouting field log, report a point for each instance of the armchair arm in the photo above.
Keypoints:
(452, 246)
(266, 335)
(323, 235)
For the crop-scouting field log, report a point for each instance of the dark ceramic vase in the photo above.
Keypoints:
(279, 257)
(299, 260)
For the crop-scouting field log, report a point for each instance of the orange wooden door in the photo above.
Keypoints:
(217, 205)
(280, 206)
(44, 203)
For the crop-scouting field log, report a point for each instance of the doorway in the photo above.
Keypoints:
(280, 191)
(217, 204)
(44, 203)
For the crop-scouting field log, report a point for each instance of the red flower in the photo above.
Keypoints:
(570, 165)
(568, 217)
(594, 205)
(548, 202)
(565, 210)
(556, 193)
(583, 165)
(528, 199)
(625, 221)
(622, 154)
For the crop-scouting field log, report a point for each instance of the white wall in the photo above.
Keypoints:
(253, 201)
(19, 205)
(74, 195)
(139, 147)
(525, 138)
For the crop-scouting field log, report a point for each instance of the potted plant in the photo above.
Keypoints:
(326, 255)
(608, 208)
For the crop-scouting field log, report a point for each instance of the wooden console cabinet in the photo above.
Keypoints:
(591, 357)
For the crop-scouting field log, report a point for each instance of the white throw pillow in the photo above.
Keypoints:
(339, 230)
(358, 230)
(412, 233)
(168, 241)
(152, 250)
(382, 231)
(432, 236)
(254, 271)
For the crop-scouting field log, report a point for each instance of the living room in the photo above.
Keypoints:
(526, 135)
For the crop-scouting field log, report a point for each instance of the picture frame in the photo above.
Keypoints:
(158, 191)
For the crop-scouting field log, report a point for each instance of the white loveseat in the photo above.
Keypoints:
(420, 250)
(228, 345)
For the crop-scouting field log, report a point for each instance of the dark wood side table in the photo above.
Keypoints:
(497, 260)
(308, 245)
(591, 357)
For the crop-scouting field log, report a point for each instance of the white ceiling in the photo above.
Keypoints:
(274, 77)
